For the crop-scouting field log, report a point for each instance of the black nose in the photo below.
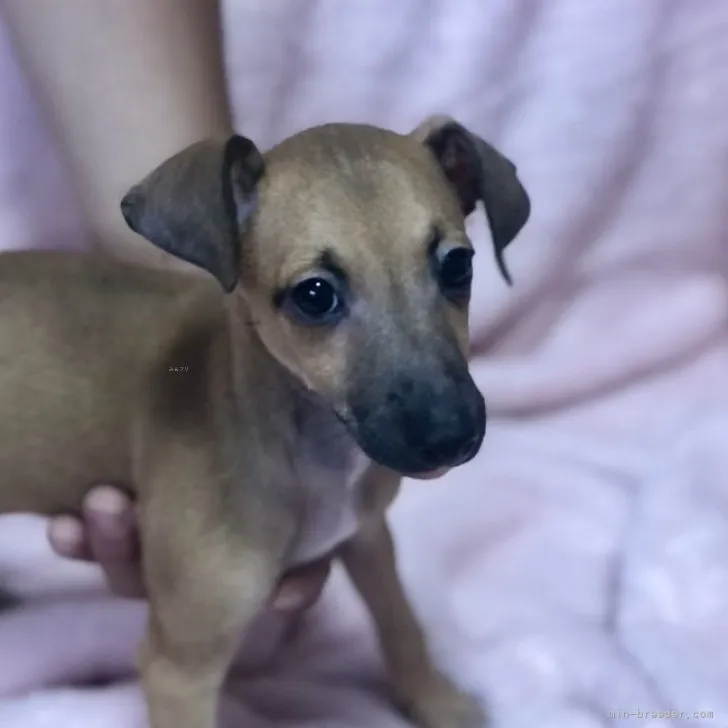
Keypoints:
(131, 207)
(429, 422)
(447, 432)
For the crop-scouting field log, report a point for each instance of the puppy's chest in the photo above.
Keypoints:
(327, 466)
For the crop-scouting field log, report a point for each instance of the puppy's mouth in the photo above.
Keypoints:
(441, 470)
(432, 474)
(410, 462)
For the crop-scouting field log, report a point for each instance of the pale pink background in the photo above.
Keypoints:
(580, 564)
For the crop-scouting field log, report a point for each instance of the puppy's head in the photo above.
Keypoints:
(349, 248)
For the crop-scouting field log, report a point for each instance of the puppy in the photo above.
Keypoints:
(265, 410)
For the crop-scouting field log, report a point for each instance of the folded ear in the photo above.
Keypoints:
(477, 171)
(197, 204)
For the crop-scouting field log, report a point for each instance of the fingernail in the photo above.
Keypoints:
(110, 510)
(287, 600)
(66, 535)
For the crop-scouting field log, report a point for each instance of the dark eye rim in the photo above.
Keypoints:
(460, 288)
(299, 315)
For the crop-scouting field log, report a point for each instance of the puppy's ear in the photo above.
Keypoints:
(197, 204)
(477, 171)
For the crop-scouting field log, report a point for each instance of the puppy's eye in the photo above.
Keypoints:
(315, 300)
(456, 271)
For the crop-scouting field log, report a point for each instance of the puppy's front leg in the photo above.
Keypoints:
(429, 697)
(207, 576)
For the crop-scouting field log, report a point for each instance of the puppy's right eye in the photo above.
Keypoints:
(315, 301)
(455, 273)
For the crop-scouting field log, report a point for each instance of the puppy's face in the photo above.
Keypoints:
(357, 271)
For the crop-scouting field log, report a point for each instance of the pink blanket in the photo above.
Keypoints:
(576, 573)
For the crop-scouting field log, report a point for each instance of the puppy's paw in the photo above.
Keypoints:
(436, 702)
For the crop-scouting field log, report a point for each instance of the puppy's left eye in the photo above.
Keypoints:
(455, 273)
(315, 301)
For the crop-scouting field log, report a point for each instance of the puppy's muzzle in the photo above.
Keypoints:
(444, 431)
(424, 424)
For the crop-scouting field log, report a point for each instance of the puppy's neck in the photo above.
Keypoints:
(313, 463)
